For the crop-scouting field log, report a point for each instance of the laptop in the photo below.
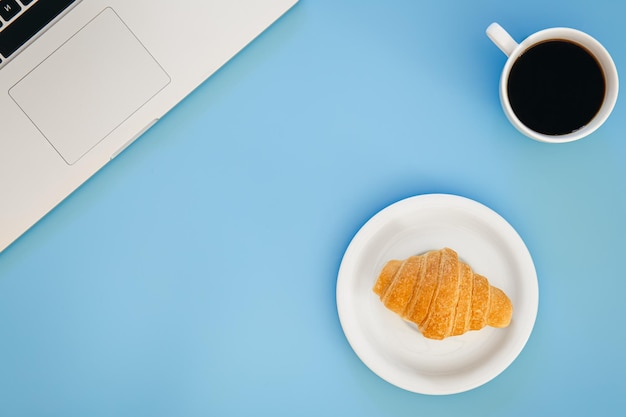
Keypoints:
(80, 80)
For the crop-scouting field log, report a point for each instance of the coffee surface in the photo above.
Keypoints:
(556, 87)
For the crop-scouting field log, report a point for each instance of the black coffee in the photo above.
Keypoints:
(556, 87)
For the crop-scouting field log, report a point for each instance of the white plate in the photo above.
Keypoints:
(394, 349)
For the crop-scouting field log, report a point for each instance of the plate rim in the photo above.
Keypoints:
(421, 201)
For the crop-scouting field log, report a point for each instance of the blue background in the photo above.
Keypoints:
(195, 275)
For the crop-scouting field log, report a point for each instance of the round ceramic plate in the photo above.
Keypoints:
(393, 348)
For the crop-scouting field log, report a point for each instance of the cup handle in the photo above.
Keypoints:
(501, 38)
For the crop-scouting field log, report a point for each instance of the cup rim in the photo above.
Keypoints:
(593, 46)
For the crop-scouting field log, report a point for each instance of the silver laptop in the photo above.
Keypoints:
(80, 80)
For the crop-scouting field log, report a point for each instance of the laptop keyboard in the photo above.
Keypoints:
(22, 20)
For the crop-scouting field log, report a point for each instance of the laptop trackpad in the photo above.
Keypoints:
(89, 86)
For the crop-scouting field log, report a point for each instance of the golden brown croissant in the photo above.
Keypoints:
(442, 295)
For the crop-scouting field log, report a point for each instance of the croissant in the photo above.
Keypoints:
(442, 295)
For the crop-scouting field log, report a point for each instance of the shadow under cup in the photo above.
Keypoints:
(559, 85)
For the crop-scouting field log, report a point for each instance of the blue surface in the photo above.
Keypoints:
(195, 275)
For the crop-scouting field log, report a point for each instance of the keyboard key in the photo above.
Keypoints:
(8, 9)
(29, 23)
(26, 2)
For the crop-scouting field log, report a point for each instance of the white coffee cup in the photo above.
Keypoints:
(515, 50)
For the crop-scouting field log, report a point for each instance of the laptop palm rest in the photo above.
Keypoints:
(89, 86)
